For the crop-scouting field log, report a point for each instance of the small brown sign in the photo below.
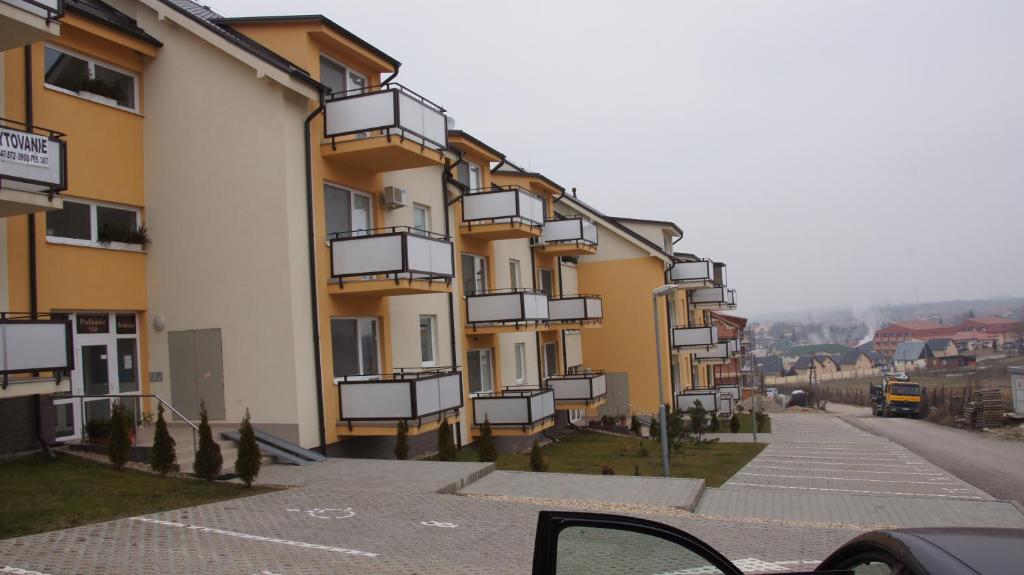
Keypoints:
(125, 323)
(93, 323)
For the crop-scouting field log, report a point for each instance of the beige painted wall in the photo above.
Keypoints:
(653, 232)
(424, 187)
(226, 209)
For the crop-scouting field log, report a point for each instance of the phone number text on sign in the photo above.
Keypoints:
(29, 149)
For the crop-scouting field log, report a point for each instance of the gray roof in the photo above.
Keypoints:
(911, 350)
(107, 14)
(771, 364)
(939, 344)
(867, 346)
(850, 357)
(803, 362)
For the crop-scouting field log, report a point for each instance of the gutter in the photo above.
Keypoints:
(33, 286)
(313, 292)
(451, 294)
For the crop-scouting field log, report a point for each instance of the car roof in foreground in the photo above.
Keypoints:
(988, 551)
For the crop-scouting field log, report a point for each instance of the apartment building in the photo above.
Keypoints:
(889, 337)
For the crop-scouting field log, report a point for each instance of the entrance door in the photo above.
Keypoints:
(197, 372)
(95, 362)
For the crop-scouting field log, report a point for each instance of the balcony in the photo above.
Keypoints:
(502, 213)
(568, 237)
(692, 275)
(24, 22)
(575, 311)
(501, 311)
(33, 168)
(375, 403)
(579, 390)
(29, 345)
(721, 277)
(713, 298)
(384, 128)
(708, 398)
(515, 411)
(391, 261)
(693, 339)
(722, 352)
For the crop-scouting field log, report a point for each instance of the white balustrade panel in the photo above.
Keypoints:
(725, 406)
(595, 308)
(719, 351)
(429, 255)
(368, 255)
(691, 271)
(590, 231)
(450, 390)
(708, 399)
(570, 387)
(500, 410)
(731, 391)
(438, 393)
(531, 207)
(422, 119)
(493, 307)
(42, 162)
(561, 231)
(27, 346)
(573, 349)
(694, 336)
(378, 400)
(600, 385)
(708, 295)
(566, 309)
(542, 406)
(535, 306)
(489, 205)
(359, 113)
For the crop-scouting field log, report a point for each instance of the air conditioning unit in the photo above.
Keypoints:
(393, 198)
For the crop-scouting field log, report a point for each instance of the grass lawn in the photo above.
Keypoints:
(43, 495)
(746, 424)
(584, 452)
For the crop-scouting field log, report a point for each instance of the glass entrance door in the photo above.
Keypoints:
(95, 362)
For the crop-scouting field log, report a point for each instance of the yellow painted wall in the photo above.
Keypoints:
(625, 340)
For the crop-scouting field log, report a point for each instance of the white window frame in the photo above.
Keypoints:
(91, 61)
(471, 170)
(94, 233)
(351, 205)
(479, 264)
(520, 359)
(425, 209)
(433, 340)
(515, 274)
(348, 72)
(490, 362)
(548, 372)
(359, 347)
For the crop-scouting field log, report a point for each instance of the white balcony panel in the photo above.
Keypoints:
(422, 119)
(569, 230)
(493, 308)
(367, 255)
(694, 336)
(500, 410)
(450, 390)
(566, 309)
(535, 306)
(531, 207)
(712, 295)
(573, 349)
(31, 157)
(377, 400)
(578, 388)
(359, 113)
(542, 406)
(27, 346)
(730, 391)
(595, 308)
(719, 351)
(691, 272)
(429, 255)
(707, 398)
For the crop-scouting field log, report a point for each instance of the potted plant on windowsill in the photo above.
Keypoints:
(109, 234)
(99, 90)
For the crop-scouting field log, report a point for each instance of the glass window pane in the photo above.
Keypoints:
(485, 370)
(332, 75)
(66, 71)
(64, 419)
(513, 272)
(421, 218)
(605, 550)
(338, 207)
(520, 361)
(469, 274)
(462, 173)
(95, 372)
(546, 281)
(115, 224)
(127, 366)
(368, 345)
(361, 218)
(550, 359)
(427, 338)
(70, 222)
(345, 347)
(116, 85)
(474, 177)
(356, 83)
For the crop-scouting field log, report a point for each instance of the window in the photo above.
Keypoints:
(85, 77)
(547, 281)
(520, 363)
(474, 274)
(346, 210)
(428, 340)
(550, 359)
(469, 174)
(514, 274)
(92, 224)
(339, 78)
(355, 346)
(421, 217)
(478, 366)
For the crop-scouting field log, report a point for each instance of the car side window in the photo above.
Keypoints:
(585, 549)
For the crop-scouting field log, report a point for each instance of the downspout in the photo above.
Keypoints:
(33, 287)
(561, 332)
(313, 291)
(451, 294)
(536, 333)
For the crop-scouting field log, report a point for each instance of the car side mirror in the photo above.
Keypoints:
(571, 543)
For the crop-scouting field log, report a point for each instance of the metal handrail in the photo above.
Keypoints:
(383, 88)
(195, 428)
(370, 232)
(52, 134)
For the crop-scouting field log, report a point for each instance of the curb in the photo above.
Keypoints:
(453, 487)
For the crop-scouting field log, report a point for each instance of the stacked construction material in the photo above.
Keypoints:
(985, 409)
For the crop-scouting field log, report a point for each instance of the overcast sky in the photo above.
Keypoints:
(833, 153)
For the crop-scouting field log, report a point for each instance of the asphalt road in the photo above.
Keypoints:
(993, 465)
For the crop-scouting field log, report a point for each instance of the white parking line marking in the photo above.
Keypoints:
(438, 524)
(19, 571)
(328, 513)
(834, 459)
(259, 538)
(900, 465)
(851, 470)
(853, 490)
(845, 479)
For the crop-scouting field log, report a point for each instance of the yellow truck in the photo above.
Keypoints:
(896, 395)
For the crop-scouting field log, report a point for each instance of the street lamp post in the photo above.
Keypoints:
(662, 410)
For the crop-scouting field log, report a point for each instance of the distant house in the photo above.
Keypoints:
(889, 337)
(953, 361)
(826, 364)
(877, 359)
(820, 363)
(853, 360)
(943, 347)
(910, 355)
(771, 365)
(867, 346)
(973, 341)
(1003, 328)
(798, 350)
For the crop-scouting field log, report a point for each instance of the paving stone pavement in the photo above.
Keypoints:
(660, 491)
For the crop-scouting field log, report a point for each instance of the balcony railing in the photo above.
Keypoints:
(692, 274)
(585, 387)
(386, 110)
(518, 306)
(35, 344)
(395, 253)
(699, 338)
(406, 394)
(571, 231)
(502, 204)
(520, 407)
(708, 399)
(575, 309)
(48, 9)
(721, 352)
(713, 298)
(32, 159)
(721, 277)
